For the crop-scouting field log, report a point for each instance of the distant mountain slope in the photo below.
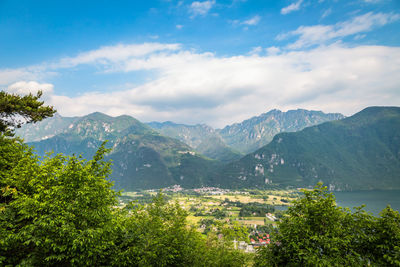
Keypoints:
(203, 138)
(142, 157)
(256, 132)
(45, 129)
(360, 152)
(191, 135)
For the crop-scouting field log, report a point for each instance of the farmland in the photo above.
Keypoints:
(212, 208)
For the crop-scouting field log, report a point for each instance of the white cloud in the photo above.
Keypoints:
(326, 13)
(256, 50)
(359, 36)
(292, 7)
(273, 50)
(24, 88)
(113, 54)
(201, 8)
(178, 26)
(321, 34)
(193, 87)
(202, 87)
(8, 76)
(252, 21)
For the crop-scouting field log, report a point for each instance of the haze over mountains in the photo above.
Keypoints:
(359, 152)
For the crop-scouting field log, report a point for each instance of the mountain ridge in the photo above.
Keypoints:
(142, 157)
(348, 154)
(255, 132)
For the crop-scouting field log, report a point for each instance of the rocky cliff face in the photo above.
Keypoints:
(256, 132)
(201, 137)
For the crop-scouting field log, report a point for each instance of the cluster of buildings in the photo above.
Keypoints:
(174, 188)
(261, 241)
(242, 245)
(211, 190)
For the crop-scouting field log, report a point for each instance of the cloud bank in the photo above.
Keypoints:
(188, 86)
(201, 87)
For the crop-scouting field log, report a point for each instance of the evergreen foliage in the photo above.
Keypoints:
(16, 110)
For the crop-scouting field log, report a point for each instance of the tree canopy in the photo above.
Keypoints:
(16, 110)
(316, 232)
(62, 211)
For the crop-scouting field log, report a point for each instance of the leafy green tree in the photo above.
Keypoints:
(220, 252)
(316, 232)
(59, 214)
(313, 233)
(386, 242)
(234, 231)
(16, 110)
(61, 211)
(157, 235)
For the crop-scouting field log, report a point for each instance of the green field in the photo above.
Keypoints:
(225, 208)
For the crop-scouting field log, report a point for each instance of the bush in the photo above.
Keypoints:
(316, 232)
(61, 211)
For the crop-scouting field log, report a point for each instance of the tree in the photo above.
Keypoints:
(16, 110)
(316, 232)
(386, 242)
(59, 212)
(62, 211)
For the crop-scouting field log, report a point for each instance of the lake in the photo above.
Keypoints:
(375, 200)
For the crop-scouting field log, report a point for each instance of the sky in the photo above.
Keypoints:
(214, 61)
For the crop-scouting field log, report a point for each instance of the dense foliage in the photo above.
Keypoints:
(316, 232)
(57, 212)
(255, 209)
(60, 211)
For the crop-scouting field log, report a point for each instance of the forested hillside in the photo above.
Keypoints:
(142, 158)
(358, 152)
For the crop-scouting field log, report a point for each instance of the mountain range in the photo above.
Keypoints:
(358, 152)
(258, 131)
(238, 139)
(361, 152)
(142, 158)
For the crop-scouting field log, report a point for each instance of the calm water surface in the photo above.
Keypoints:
(375, 201)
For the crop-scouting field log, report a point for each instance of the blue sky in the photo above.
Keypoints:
(214, 61)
